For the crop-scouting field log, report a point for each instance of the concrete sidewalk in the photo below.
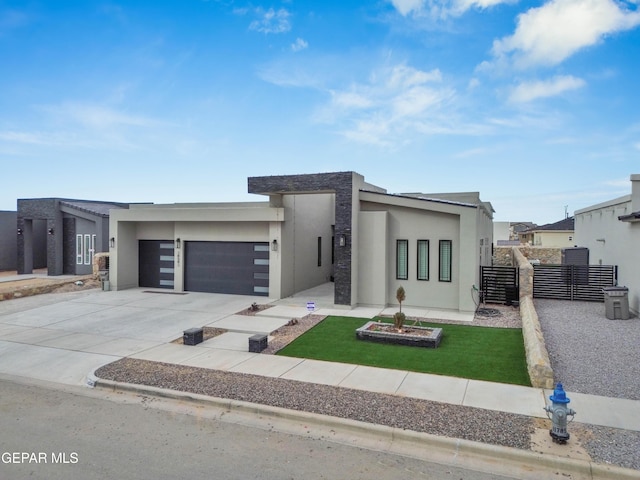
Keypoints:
(64, 337)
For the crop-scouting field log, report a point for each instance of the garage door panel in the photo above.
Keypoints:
(227, 267)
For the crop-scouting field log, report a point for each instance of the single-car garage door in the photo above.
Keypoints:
(240, 268)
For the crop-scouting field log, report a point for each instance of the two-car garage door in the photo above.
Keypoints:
(240, 268)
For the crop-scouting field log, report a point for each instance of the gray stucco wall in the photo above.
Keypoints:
(8, 241)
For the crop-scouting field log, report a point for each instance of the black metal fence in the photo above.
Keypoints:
(573, 282)
(499, 284)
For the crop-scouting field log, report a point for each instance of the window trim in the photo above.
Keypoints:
(419, 257)
(445, 264)
(87, 249)
(79, 249)
(399, 274)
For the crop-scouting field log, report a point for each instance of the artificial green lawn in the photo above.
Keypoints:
(480, 353)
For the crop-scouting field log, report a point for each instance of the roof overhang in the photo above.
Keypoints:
(631, 218)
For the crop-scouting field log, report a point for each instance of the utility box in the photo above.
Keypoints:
(616, 303)
(192, 336)
(257, 342)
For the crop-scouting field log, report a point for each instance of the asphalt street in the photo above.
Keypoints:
(69, 433)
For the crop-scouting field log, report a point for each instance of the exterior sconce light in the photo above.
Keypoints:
(274, 245)
(178, 243)
(112, 242)
(19, 231)
(50, 231)
(342, 240)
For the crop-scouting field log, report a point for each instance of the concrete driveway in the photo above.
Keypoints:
(63, 337)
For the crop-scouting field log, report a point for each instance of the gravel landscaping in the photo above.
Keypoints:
(604, 445)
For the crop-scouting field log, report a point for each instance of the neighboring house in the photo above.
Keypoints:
(8, 249)
(507, 233)
(62, 235)
(551, 235)
(313, 229)
(516, 228)
(611, 232)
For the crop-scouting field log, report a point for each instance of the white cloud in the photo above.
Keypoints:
(299, 44)
(442, 8)
(271, 21)
(405, 7)
(395, 102)
(528, 91)
(549, 34)
(97, 116)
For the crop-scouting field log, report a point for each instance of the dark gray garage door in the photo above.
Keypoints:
(155, 263)
(240, 268)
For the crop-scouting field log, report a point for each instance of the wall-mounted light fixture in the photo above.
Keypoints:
(112, 242)
(19, 231)
(178, 243)
(342, 240)
(50, 231)
(274, 245)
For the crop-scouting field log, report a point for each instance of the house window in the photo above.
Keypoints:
(87, 249)
(402, 259)
(445, 261)
(319, 251)
(423, 259)
(79, 250)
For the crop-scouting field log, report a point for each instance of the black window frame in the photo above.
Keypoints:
(418, 257)
(405, 276)
(448, 267)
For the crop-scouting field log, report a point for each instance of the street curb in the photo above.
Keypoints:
(523, 464)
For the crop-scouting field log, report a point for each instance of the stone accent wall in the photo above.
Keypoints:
(100, 263)
(342, 184)
(503, 256)
(538, 363)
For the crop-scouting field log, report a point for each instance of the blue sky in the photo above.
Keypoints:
(536, 105)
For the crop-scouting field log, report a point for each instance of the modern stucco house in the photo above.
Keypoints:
(552, 235)
(611, 232)
(61, 234)
(311, 229)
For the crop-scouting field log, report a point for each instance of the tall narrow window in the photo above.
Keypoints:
(87, 249)
(319, 251)
(79, 250)
(402, 259)
(445, 261)
(423, 259)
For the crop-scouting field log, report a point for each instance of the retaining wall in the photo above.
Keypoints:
(503, 256)
(538, 363)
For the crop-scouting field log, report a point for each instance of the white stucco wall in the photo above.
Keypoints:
(612, 242)
(501, 231)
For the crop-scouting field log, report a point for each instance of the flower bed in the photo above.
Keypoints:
(411, 336)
